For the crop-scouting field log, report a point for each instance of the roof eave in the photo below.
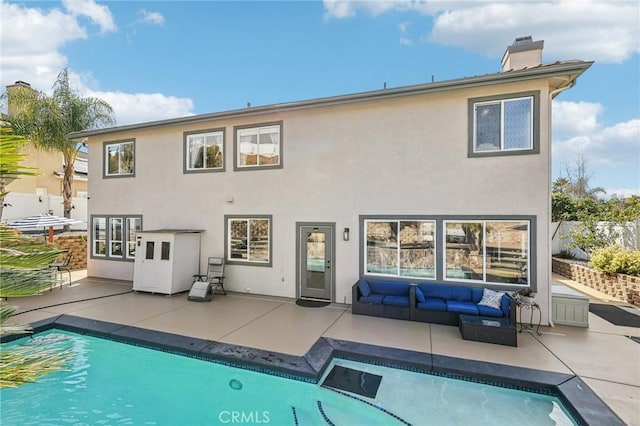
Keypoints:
(574, 68)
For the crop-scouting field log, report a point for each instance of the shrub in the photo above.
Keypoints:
(616, 260)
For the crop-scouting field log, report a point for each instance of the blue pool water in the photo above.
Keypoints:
(111, 383)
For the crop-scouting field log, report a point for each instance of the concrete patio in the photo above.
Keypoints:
(602, 355)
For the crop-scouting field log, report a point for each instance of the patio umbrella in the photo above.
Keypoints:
(42, 220)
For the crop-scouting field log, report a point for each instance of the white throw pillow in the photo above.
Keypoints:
(491, 298)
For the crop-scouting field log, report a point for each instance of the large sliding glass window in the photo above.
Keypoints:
(491, 251)
(114, 237)
(403, 248)
(248, 240)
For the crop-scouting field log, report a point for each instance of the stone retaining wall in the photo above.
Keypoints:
(77, 245)
(619, 286)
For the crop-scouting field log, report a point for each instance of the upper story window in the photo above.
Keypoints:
(119, 158)
(504, 126)
(204, 151)
(258, 146)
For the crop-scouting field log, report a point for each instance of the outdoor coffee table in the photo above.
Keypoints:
(488, 330)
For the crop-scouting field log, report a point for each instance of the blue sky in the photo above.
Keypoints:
(163, 59)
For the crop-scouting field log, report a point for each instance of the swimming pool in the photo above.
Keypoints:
(109, 382)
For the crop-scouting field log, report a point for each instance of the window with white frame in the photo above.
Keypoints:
(119, 158)
(248, 240)
(488, 251)
(113, 236)
(258, 146)
(134, 225)
(402, 248)
(204, 150)
(500, 126)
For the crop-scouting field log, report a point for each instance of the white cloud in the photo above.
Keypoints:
(99, 15)
(613, 149)
(610, 146)
(142, 107)
(571, 118)
(151, 17)
(403, 27)
(606, 31)
(32, 41)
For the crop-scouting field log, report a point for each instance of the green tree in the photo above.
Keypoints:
(577, 181)
(46, 120)
(23, 272)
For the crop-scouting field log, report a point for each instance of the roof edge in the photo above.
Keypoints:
(548, 70)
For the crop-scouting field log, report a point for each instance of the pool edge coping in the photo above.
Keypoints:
(584, 405)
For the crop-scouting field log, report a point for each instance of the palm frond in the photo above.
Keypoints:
(23, 364)
(11, 258)
(25, 282)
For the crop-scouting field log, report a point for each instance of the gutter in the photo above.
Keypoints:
(467, 82)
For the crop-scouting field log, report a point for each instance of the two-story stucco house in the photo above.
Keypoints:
(446, 182)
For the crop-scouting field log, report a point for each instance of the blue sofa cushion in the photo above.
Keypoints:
(432, 304)
(505, 305)
(373, 298)
(389, 288)
(446, 292)
(476, 295)
(364, 288)
(489, 312)
(396, 300)
(420, 295)
(461, 307)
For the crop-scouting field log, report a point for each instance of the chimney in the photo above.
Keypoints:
(14, 90)
(523, 53)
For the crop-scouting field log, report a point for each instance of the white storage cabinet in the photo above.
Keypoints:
(166, 260)
(569, 306)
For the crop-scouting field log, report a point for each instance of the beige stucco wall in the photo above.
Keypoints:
(46, 164)
(397, 156)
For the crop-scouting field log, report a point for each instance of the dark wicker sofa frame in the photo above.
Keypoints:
(412, 312)
(378, 310)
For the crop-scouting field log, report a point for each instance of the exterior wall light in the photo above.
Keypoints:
(345, 234)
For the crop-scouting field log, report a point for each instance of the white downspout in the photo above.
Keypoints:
(552, 95)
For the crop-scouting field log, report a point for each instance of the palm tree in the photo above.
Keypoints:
(46, 120)
(23, 272)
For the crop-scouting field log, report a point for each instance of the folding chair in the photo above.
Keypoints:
(214, 279)
(62, 266)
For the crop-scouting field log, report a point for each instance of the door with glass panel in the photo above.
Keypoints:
(315, 261)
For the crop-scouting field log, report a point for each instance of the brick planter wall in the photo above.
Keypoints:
(77, 245)
(619, 286)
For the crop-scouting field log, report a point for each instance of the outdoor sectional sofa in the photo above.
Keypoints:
(388, 299)
(426, 302)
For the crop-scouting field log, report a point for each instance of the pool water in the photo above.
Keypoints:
(107, 382)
